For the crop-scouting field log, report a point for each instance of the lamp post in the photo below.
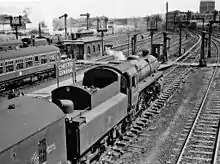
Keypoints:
(102, 27)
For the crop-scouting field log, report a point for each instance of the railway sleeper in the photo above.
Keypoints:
(126, 138)
(159, 104)
(155, 108)
(148, 115)
(140, 123)
(121, 144)
(135, 131)
(137, 127)
(144, 120)
(155, 111)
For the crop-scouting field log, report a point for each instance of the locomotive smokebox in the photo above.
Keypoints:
(145, 53)
(67, 106)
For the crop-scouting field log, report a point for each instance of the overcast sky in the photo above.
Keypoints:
(49, 9)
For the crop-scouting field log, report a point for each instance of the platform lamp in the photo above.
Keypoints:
(102, 27)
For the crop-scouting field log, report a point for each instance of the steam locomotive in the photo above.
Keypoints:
(82, 119)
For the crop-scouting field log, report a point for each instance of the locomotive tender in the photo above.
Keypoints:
(31, 132)
(111, 96)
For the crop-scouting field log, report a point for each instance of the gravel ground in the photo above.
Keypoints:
(159, 140)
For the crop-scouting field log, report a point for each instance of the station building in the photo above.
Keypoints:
(83, 45)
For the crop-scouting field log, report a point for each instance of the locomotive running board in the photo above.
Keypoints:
(149, 80)
(45, 96)
(98, 62)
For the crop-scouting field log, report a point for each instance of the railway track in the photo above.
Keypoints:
(199, 142)
(128, 142)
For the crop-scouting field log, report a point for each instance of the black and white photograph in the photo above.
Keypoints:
(109, 82)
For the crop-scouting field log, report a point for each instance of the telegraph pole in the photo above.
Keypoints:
(65, 23)
(87, 19)
(180, 39)
(39, 26)
(166, 16)
(128, 42)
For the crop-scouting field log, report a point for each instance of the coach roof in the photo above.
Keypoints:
(11, 42)
(26, 116)
(22, 52)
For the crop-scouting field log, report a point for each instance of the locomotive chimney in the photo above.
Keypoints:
(145, 53)
(67, 106)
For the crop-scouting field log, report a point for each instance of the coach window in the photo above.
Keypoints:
(43, 59)
(36, 59)
(98, 47)
(19, 64)
(52, 58)
(93, 47)
(1, 67)
(28, 62)
(88, 50)
(9, 66)
(133, 81)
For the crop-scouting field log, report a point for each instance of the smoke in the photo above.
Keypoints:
(118, 55)
(38, 13)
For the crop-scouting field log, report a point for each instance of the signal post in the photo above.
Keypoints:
(210, 35)
(102, 27)
(15, 22)
(65, 24)
(151, 29)
(202, 61)
(165, 38)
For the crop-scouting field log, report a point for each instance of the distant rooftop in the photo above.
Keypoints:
(207, 0)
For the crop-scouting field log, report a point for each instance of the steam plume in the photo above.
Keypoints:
(117, 54)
